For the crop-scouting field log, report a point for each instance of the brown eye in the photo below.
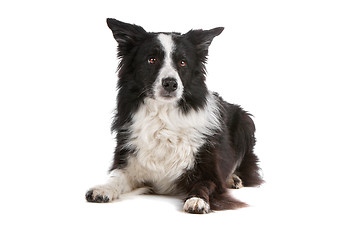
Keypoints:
(152, 60)
(182, 63)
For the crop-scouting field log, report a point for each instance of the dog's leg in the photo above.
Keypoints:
(198, 198)
(117, 184)
(234, 182)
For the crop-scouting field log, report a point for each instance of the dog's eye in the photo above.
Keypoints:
(152, 60)
(182, 63)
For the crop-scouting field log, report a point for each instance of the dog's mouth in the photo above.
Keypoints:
(166, 96)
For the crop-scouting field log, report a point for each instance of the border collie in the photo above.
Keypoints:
(174, 136)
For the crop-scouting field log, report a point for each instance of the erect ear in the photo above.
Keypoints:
(203, 38)
(127, 35)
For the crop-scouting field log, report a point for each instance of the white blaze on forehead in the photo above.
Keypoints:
(168, 69)
(167, 44)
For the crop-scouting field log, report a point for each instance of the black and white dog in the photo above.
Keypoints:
(174, 136)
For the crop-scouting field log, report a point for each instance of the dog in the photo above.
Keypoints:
(174, 136)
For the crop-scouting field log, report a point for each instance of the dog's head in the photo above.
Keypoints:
(168, 67)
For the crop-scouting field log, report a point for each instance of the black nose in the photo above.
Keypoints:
(169, 84)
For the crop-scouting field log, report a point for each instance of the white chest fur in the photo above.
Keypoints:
(166, 141)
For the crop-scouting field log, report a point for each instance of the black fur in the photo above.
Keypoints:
(232, 146)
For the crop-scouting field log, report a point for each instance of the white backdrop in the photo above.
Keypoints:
(293, 64)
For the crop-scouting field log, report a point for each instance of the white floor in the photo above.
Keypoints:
(273, 214)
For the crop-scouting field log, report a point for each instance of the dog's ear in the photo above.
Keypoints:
(127, 35)
(203, 38)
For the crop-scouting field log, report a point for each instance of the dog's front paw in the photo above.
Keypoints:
(196, 205)
(94, 197)
(100, 194)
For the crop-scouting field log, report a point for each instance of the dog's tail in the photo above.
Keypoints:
(224, 201)
(249, 171)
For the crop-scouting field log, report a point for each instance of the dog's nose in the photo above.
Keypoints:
(169, 84)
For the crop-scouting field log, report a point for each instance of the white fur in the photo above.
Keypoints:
(196, 204)
(165, 142)
(117, 184)
(167, 70)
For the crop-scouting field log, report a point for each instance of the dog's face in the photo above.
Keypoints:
(167, 67)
